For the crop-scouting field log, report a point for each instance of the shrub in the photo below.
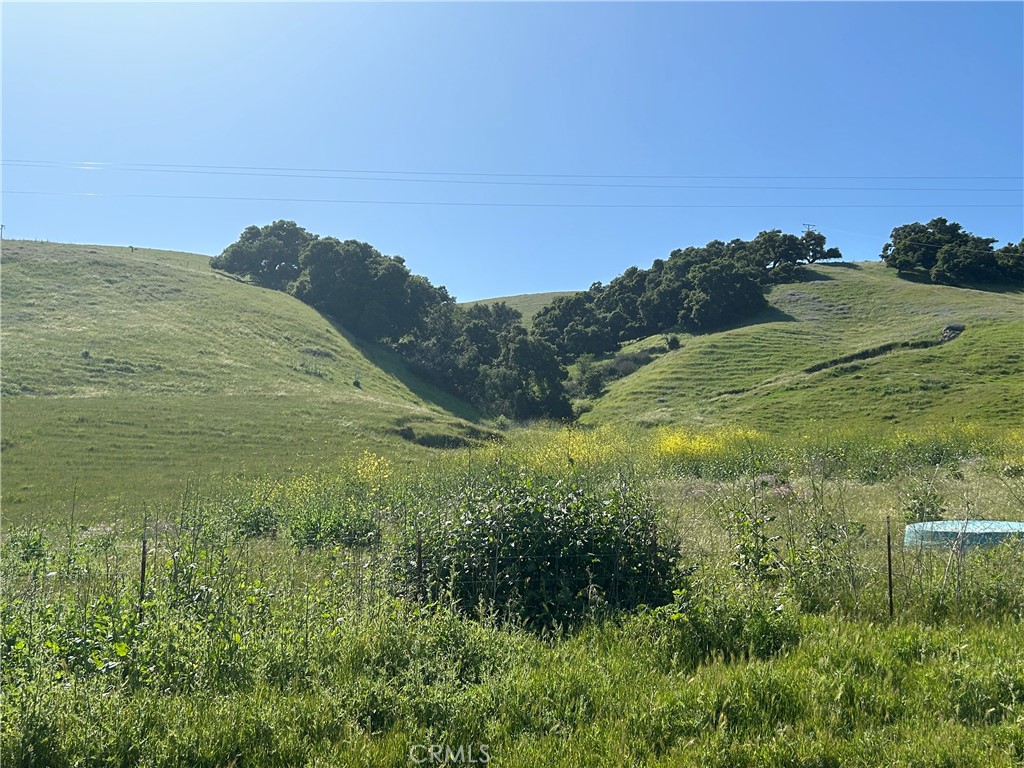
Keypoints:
(543, 549)
(711, 621)
(626, 363)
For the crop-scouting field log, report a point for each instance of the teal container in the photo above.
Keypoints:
(969, 533)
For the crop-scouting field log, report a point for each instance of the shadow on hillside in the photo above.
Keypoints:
(808, 276)
(1012, 288)
(842, 264)
(236, 278)
(392, 364)
(923, 278)
(768, 315)
(915, 277)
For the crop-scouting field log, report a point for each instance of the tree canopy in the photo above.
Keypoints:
(268, 255)
(697, 288)
(946, 253)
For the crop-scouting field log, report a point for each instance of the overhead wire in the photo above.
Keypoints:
(277, 170)
(483, 204)
(501, 179)
(615, 185)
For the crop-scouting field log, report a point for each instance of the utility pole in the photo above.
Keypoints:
(809, 228)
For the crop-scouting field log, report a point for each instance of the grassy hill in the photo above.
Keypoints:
(124, 374)
(527, 303)
(792, 366)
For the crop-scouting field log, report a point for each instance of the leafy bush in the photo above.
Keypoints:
(27, 546)
(544, 549)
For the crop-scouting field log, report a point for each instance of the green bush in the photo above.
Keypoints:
(542, 549)
(711, 621)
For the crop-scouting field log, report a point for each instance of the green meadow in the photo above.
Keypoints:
(528, 304)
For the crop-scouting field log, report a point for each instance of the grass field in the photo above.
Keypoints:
(128, 374)
(252, 643)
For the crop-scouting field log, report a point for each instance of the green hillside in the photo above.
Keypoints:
(786, 370)
(527, 303)
(125, 374)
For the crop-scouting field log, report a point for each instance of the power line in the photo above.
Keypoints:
(478, 204)
(611, 185)
(97, 165)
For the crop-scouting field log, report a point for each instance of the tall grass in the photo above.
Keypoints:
(346, 615)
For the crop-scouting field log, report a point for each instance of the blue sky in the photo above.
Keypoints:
(567, 141)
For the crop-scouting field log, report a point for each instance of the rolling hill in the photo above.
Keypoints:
(125, 373)
(854, 345)
(529, 304)
(128, 374)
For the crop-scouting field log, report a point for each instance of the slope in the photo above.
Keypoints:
(125, 373)
(529, 304)
(786, 370)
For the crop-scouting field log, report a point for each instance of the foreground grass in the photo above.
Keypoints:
(282, 622)
(850, 694)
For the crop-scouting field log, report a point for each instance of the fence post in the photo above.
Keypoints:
(654, 556)
(142, 577)
(419, 565)
(888, 553)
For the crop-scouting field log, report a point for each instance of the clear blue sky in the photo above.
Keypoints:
(563, 105)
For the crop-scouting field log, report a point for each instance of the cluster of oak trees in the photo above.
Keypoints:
(945, 253)
(482, 354)
(696, 289)
(485, 355)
